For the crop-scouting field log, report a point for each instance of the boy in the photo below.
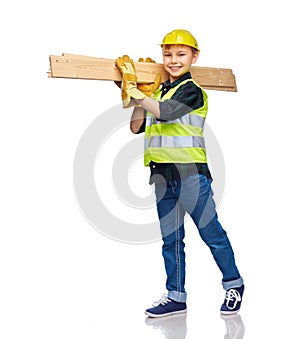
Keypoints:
(173, 121)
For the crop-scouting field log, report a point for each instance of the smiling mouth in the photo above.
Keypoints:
(175, 68)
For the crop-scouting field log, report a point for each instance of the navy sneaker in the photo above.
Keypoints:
(165, 306)
(233, 300)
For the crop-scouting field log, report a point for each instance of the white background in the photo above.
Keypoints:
(59, 277)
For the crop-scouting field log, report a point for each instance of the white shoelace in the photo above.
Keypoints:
(162, 301)
(232, 295)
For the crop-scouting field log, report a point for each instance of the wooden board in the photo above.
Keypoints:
(75, 66)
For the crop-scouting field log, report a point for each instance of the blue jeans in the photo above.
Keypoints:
(193, 195)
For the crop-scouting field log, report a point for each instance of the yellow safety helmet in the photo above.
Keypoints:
(180, 37)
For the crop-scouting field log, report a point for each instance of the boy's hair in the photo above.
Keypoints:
(167, 47)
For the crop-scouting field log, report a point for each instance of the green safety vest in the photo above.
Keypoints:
(176, 141)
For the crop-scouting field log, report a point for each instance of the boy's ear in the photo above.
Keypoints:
(195, 56)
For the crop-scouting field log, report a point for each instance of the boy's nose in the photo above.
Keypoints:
(174, 59)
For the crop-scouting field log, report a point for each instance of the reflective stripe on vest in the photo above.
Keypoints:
(177, 141)
(172, 142)
(188, 119)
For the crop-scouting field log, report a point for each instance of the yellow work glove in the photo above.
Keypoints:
(149, 88)
(125, 97)
(129, 80)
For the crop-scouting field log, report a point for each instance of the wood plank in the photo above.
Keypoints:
(93, 68)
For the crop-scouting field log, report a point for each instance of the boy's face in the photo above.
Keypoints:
(177, 60)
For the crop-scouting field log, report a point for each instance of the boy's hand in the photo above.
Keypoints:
(129, 80)
(149, 88)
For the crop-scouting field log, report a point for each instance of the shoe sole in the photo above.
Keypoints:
(164, 314)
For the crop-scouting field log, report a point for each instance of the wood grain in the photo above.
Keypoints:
(75, 66)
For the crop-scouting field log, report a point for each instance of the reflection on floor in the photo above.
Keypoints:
(175, 327)
(234, 326)
(172, 326)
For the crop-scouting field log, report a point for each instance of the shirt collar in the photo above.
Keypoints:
(185, 76)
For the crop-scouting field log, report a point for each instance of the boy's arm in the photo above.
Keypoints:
(138, 114)
(150, 105)
(137, 119)
(190, 97)
(185, 100)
